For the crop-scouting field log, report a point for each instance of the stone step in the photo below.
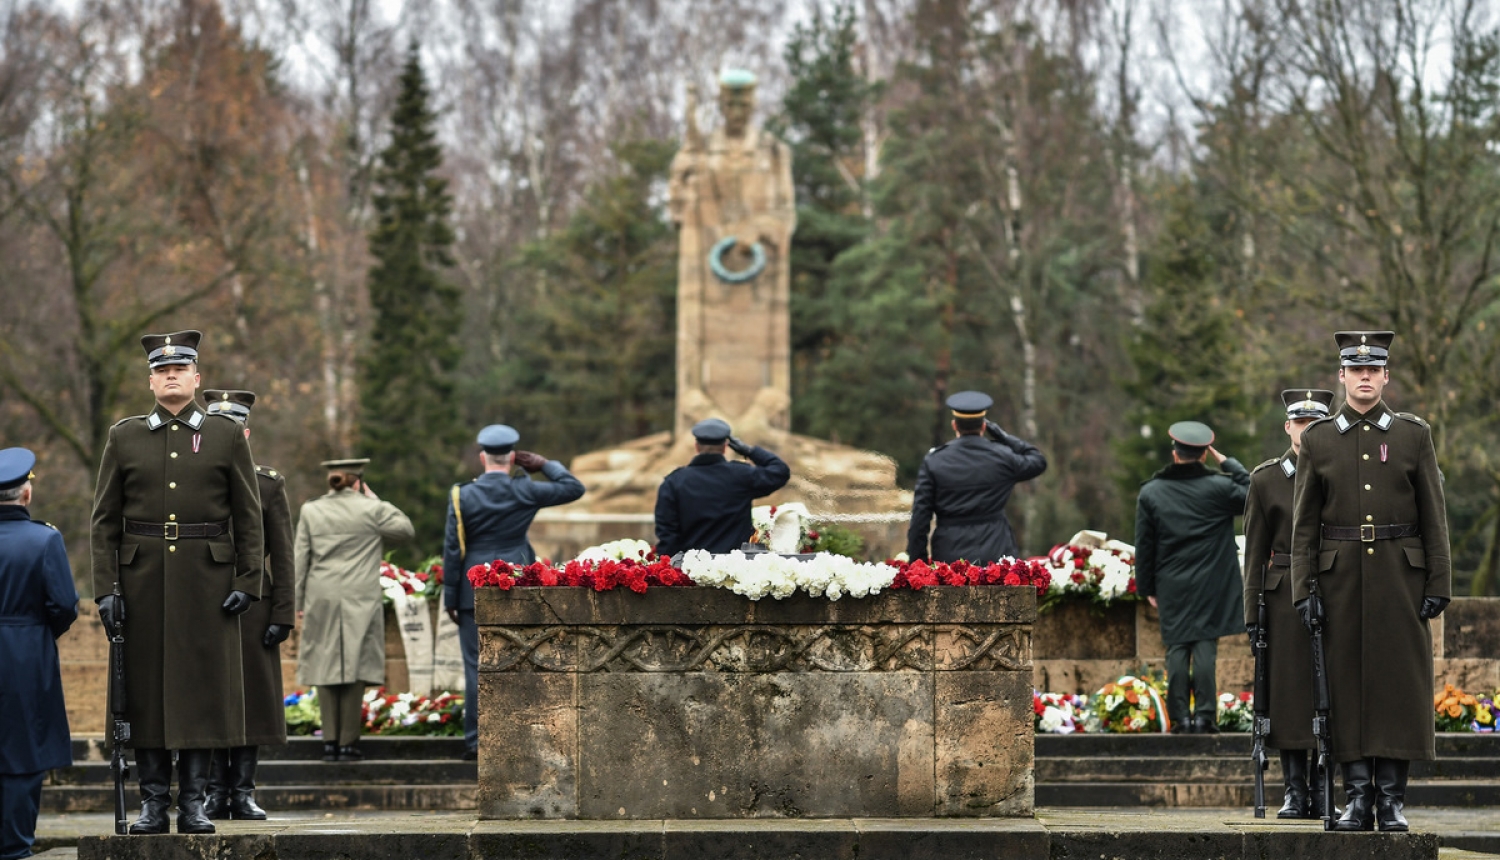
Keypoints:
(1458, 793)
(100, 798)
(1209, 769)
(274, 772)
(1449, 745)
(375, 747)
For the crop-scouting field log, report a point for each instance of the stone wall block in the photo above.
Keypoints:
(984, 743)
(528, 756)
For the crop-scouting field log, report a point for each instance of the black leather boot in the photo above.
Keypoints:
(1359, 812)
(154, 767)
(1203, 725)
(1294, 775)
(217, 805)
(242, 805)
(1390, 784)
(330, 751)
(192, 784)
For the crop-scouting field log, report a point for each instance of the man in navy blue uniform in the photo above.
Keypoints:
(706, 504)
(37, 604)
(967, 482)
(487, 520)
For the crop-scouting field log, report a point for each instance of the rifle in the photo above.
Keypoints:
(1322, 722)
(1262, 702)
(120, 733)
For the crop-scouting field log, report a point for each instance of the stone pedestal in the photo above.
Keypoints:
(697, 703)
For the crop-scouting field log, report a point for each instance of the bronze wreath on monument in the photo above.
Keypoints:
(716, 261)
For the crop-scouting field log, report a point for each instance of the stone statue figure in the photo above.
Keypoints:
(731, 196)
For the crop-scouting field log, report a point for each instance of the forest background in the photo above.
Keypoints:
(400, 221)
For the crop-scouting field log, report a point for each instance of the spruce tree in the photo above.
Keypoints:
(409, 425)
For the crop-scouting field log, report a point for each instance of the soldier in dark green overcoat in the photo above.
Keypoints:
(177, 524)
(268, 623)
(1268, 562)
(1187, 565)
(1370, 527)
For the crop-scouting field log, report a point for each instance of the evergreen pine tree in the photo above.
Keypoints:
(409, 426)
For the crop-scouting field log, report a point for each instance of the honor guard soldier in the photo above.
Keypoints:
(1187, 566)
(177, 523)
(1268, 567)
(37, 605)
(706, 504)
(488, 518)
(1370, 531)
(263, 627)
(967, 482)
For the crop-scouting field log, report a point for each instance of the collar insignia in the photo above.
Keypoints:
(1288, 468)
(153, 421)
(1384, 422)
(195, 419)
(1342, 423)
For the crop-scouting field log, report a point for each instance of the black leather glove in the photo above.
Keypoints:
(1432, 607)
(532, 463)
(738, 446)
(276, 634)
(992, 430)
(1310, 609)
(111, 612)
(237, 602)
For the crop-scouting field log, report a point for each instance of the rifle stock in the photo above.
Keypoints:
(1322, 703)
(120, 723)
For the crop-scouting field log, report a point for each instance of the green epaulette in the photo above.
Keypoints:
(1271, 462)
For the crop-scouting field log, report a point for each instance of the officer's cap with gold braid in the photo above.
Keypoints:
(970, 404)
(179, 347)
(234, 403)
(1307, 402)
(15, 467)
(354, 466)
(1364, 347)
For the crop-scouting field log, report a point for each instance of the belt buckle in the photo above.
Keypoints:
(170, 531)
(1367, 533)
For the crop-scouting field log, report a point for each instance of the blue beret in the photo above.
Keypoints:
(1194, 434)
(970, 404)
(179, 347)
(711, 430)
(15, 467)
(498, 438)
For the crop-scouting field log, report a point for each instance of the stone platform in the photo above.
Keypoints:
(1230, 834)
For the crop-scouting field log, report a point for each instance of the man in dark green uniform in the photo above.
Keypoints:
(177, 524)
(1187, 565)
(1370, 530)
(1268, 560)
(231, 780)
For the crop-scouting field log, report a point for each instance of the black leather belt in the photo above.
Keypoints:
(1281, 559)
(173, 531)
(1369, 533)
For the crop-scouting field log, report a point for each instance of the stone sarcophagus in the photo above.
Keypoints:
(686, 703)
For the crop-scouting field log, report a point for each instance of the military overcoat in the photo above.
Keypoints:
(184, 677)
(1185, 552)
(706, 504)
(37, 605)
(967, 483)
(265, 711)
(1268, 566)
(338, 551)
(1367, 472)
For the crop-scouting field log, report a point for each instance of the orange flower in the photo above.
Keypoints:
(1467, 700)
(1132, 698)
(1455, 711)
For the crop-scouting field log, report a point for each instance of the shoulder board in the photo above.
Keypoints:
(224, 415)
(935, 449)
(1327, 420)
(47, 524)
(1407, 416)
(267, 471)
(1271, 462)
(129, 418)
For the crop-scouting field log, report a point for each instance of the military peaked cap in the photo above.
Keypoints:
(1191, 434)
(234, 403)
(498, 439)
(179, 347)
(1364, 347)
(970, 404)
(711, 431)
(354, 466)
(1307, 402)
(15, 467)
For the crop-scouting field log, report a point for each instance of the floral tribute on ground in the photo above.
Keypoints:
(384, 713)
(426, 582)
(1457, 711)
(1102, 575)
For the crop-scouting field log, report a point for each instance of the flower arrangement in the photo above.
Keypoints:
(917, 575)
(1236, 712)
(1129, 705)
(1457, 711)
(1059, 713)
(1101, 574)
(618, 550)
(604, 575)
(782, 528)
(413, 714)
(1486, 712)
(302, 714)
(425, 582)
(761, 574)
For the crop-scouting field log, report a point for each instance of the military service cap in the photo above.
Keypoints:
(354, 466)
(498, 439)
(179, 347)
(15, 467)
(970, 404)
(711, 431)
(737, 79)
(1191, 434)
(235, 404)
(1364, 347)
(1307, 402)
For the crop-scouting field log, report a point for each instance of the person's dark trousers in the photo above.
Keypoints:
(342, 709)
(231, 785)
(192, 790)
(1190, 672)
(153, 767)
(20, 799)
(468, 643)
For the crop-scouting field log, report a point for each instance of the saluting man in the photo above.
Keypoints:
(263, 627)
(967, 482)
(1268, 561)
(1370, 528)
(706, 504)
(177, 523)
(487, 520)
